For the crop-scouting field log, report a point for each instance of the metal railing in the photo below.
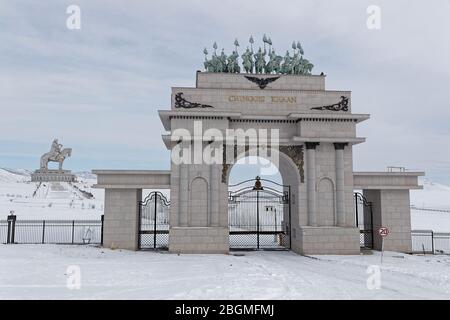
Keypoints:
(3, 231)
(395, 169)
(413, 207)
(91, 232)
(427, 241)
(51, 231)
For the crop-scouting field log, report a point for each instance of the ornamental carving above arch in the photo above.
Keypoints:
(295, 152)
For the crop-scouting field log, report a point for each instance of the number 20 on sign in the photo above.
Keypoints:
(383, 231)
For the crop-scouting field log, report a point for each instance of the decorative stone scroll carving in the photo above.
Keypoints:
(340, 106)
(181, 102)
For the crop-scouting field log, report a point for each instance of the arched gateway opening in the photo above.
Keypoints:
(260, 204)
(259, 215)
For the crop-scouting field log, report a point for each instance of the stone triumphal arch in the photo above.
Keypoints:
(316, 133)
(276, 110)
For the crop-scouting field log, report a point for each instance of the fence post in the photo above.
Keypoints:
(101, 231)
(73, 229)
(154, 222)
(11, 228)
(8, 230)
(43, 231)
(432, 242)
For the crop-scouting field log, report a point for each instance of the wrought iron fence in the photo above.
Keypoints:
(51, 231)
(3, 231)
(91, 232)
(427, 241)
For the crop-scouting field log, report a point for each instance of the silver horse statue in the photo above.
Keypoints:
(56, 154)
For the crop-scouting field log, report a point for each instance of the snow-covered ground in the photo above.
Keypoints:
(433, 195)
(436, 198)
(58, 201)
(41, 271)
(430, 220)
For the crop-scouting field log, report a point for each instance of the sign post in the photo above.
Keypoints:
(383, 232)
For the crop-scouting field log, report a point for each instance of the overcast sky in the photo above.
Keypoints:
(98, 88)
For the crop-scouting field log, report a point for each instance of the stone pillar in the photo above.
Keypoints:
(121, 224)
(340, 186)
(391, 209)
(214, 192)
(184, 195)
(311, 181)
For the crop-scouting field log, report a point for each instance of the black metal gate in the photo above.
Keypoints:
(364, 220)
(259, 215)
(154, 222)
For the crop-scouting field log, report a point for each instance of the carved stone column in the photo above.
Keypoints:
(340, 186)
(311, 181)
(183, 195)
(214, 192)
(183, 192)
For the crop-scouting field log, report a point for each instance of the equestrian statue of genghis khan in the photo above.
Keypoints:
(56, 154)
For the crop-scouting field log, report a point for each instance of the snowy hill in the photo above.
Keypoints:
(430, 207)
(48, 200)
(85, 175)
(12, 175)
(433, 195)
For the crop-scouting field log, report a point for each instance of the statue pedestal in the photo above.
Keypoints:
(53, 175)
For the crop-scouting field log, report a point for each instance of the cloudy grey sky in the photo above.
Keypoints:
(98, 88)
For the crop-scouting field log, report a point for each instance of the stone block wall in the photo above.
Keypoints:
(328, 240)
(198, 240)
(261, 102)
(121, 224)
(391, 209)
(238, 81)
(324, 128)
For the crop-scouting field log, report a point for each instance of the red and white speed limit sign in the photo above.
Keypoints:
(383, 231)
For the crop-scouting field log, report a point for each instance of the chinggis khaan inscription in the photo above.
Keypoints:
(263, 99)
